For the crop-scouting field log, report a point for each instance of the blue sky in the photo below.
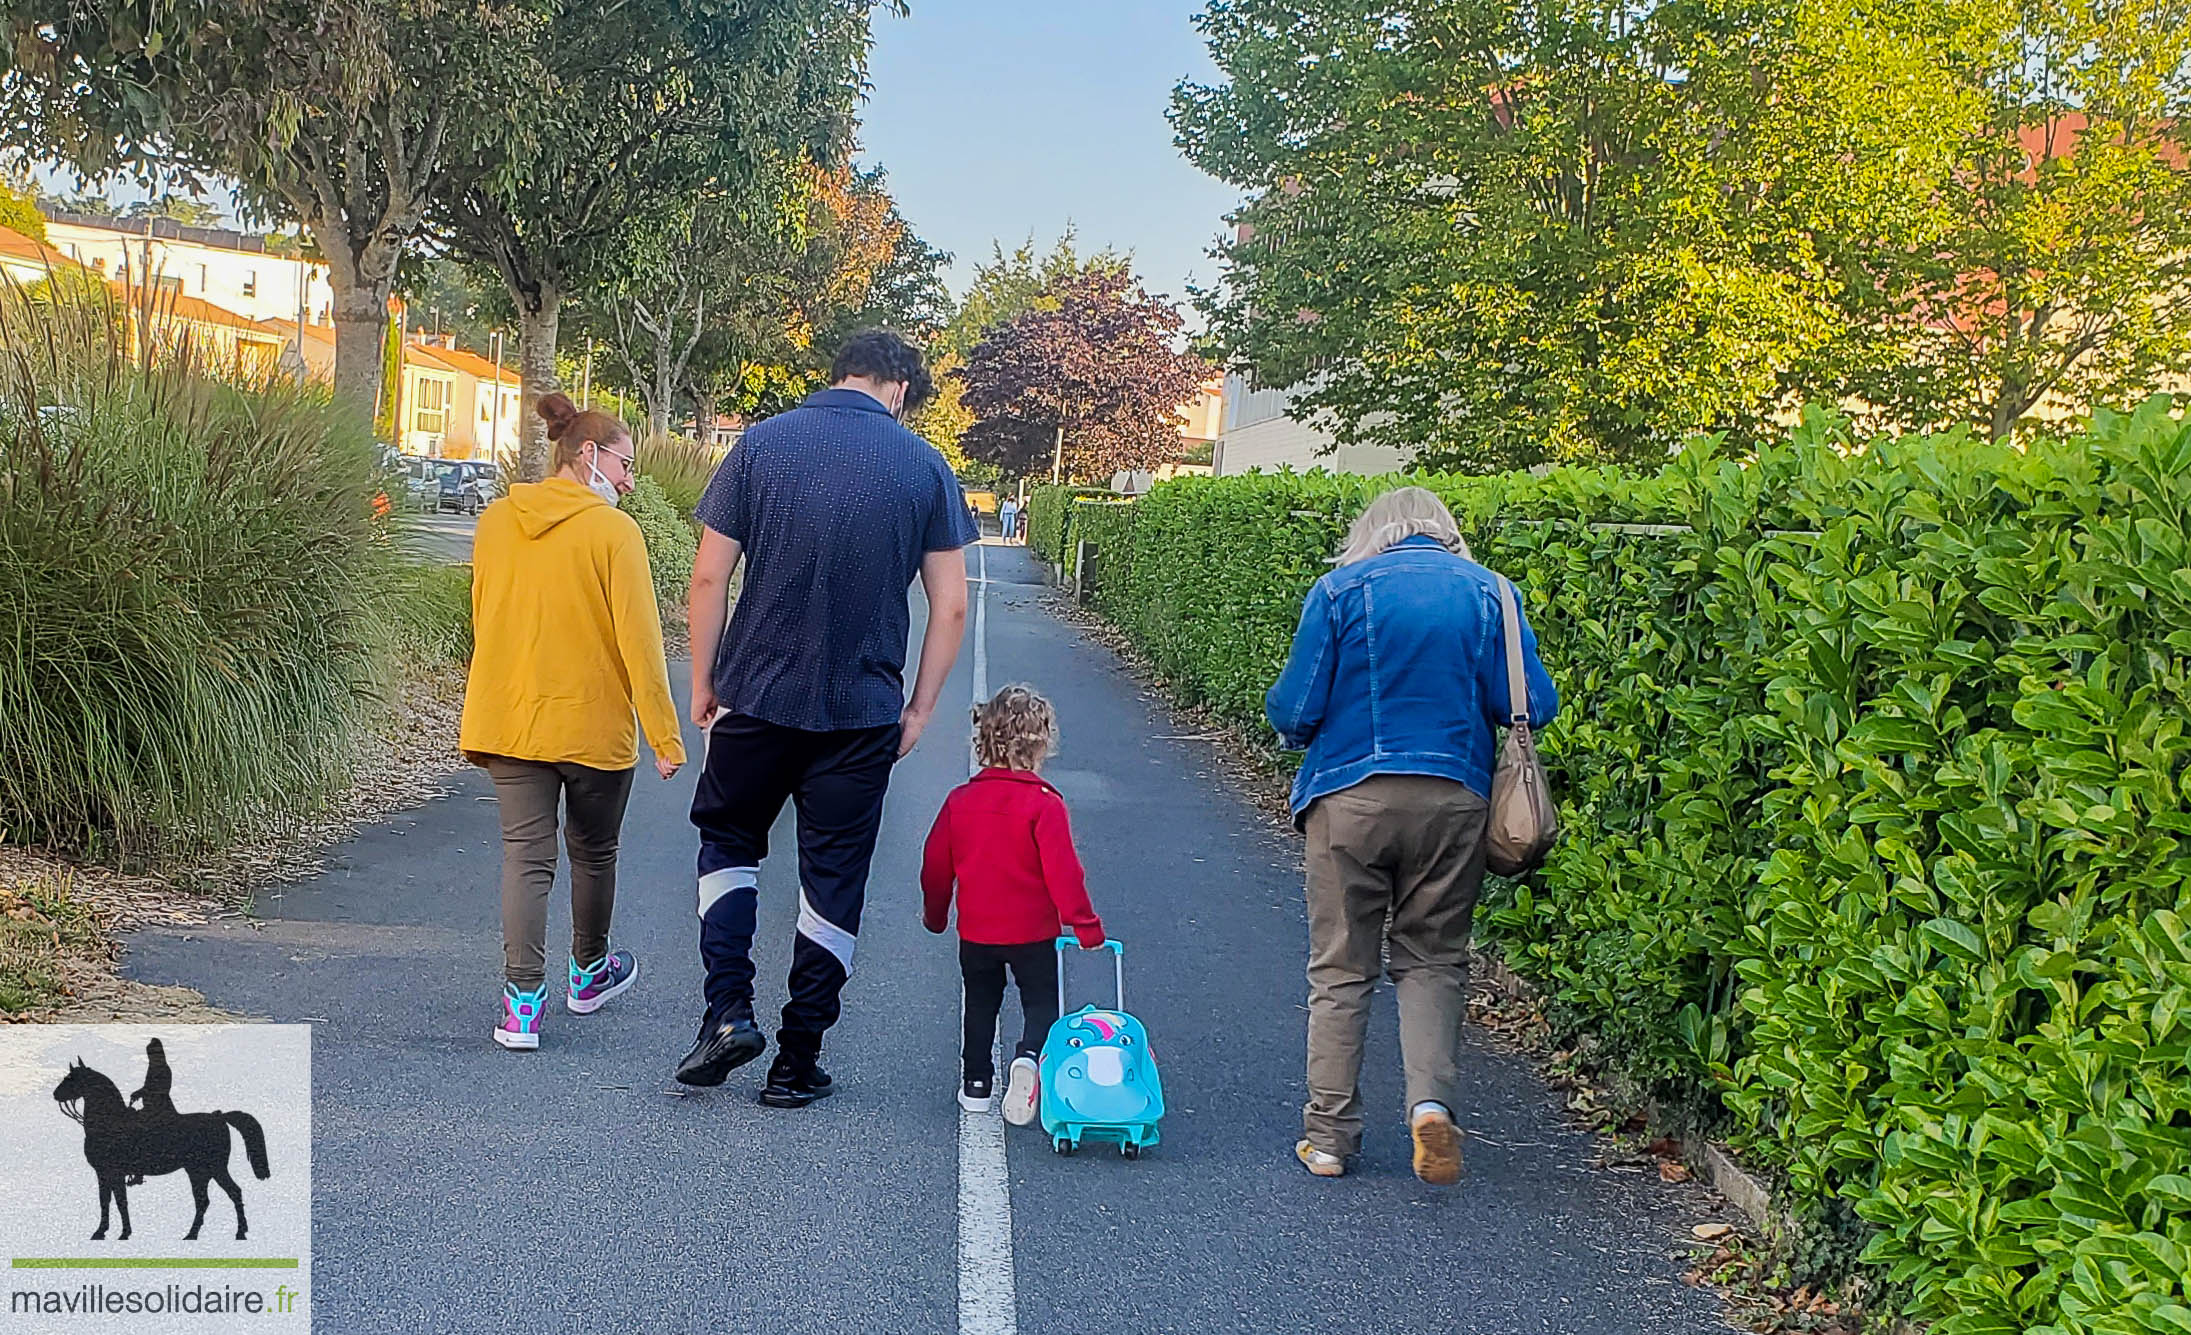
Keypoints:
(997, 118)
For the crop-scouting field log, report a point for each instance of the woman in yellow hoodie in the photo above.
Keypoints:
(567, 649)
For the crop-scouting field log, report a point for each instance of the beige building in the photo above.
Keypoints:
(449, 403)
(232, 270)
(1261, 436)
(475, 414)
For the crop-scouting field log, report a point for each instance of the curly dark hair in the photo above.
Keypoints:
(882, 355)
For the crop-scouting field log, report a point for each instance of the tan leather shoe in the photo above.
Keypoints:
(1437, 1146)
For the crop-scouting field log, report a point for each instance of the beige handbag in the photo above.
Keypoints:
(1524, 820)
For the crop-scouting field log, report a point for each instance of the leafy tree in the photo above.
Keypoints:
(447, 297)
(177, 209)
(764, 301)
(2058, 274)
(670, 102)
(1004, 287)
(1570, 231)
(341, 114)
(881, 274)
(19, 213)
(1086, 381)
(1008, 285)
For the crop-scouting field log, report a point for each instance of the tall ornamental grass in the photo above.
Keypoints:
(191, 596)
(681, 467)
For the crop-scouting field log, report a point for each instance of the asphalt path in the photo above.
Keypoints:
(462, 1188)
(442, 538)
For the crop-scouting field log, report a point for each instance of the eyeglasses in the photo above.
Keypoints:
(629, 460)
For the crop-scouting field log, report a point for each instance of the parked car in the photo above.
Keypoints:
(459, 487)
(423, 484)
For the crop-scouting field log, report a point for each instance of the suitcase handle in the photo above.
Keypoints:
(1118, 963)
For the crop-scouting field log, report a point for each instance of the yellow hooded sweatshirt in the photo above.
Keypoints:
(567, 641)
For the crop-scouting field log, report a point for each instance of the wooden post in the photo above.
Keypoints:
(1080, 562)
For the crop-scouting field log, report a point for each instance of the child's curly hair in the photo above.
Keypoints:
(1015, 729)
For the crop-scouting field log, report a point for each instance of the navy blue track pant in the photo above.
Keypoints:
(836, 781)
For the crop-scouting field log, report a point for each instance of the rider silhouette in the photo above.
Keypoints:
(155, 1098)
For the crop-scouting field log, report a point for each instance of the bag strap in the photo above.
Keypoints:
(1517, 685)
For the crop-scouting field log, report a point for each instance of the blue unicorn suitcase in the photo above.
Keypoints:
(1099, 1078)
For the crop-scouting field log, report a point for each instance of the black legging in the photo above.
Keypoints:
(1034, 970)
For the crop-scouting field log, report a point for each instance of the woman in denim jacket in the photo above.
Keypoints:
(1396, 688)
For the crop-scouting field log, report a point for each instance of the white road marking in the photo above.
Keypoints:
(988, 1299)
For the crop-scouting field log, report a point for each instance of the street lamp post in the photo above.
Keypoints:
(494, 432)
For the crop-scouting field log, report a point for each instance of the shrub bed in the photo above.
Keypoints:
(672, 543)
(1875, 774)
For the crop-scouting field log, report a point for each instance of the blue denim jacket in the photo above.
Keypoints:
(1399, 667)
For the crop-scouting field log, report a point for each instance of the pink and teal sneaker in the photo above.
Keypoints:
(593, 984)
(520, 1027)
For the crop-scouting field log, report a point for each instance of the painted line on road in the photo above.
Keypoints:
(988, 1298)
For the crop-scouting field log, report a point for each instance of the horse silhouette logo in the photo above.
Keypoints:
(124, 1145)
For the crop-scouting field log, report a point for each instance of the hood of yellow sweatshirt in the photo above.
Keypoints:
(540, 506)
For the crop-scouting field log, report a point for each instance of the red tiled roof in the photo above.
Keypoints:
(286, 328)
(17, 246)
(471, 364)
(178, 306)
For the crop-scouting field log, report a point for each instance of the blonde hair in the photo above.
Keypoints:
(1399, 514)
(1015, 729)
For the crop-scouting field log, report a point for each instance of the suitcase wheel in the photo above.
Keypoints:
(1129, 1149)
(1064, 1146)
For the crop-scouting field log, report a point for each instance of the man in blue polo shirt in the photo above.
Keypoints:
(835, 507)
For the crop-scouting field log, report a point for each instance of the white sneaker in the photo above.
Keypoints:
(1023, 1095)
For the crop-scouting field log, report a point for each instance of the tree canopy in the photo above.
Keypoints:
(672, 113)
(1093, 357)
(343, 116)
(1501, 235)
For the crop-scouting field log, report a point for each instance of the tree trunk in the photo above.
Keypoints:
(664, 376)
(361, 270)
(538, 321)
(361, 345)
(703, 415)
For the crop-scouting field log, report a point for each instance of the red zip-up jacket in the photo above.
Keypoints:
(1003, 836)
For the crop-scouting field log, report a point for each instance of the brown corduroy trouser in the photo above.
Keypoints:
(1407, 850)
(528, 793)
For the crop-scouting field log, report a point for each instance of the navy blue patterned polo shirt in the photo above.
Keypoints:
(835, 504)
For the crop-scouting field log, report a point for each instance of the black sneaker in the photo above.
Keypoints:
(720, 1049)
(977, 1096)
(794, 1084)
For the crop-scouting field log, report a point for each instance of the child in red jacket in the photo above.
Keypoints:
(1004, 838)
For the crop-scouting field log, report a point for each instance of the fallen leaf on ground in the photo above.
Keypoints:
(1711, 1231)
(1672, 1172)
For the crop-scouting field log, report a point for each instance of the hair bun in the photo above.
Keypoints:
(558, 412)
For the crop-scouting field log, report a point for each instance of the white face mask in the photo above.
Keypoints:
(600, 485)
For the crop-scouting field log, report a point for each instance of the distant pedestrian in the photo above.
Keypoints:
(1399, 714)
(835, 507)
(1008, 518)
(567, 649)
(1004, 842)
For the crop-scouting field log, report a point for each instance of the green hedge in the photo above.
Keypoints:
(1876, 781)
(1047, 509)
